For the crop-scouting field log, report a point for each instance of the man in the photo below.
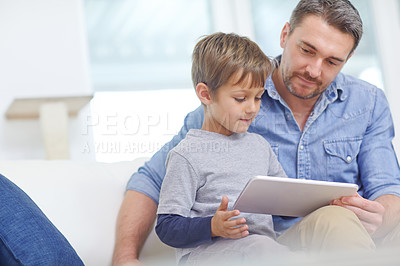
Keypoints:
(322, 125)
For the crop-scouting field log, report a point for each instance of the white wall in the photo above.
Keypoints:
(43, 53)
(387, 30)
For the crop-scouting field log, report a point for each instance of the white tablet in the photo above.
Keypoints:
(289, 196)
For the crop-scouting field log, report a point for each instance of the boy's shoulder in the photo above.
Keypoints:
(193, 140)
(258, 138)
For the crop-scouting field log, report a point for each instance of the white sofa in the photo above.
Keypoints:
(83, 199)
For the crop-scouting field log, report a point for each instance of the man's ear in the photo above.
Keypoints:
(284, 34)
(203, 93)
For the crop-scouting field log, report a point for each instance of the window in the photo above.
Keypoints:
(144, 44)
(143, 47)
(270, 17)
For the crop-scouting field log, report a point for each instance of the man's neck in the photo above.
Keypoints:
(301, 108)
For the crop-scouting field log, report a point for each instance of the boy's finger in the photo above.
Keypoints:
(238, 234)
(230, 214)
(235, 222)
(224, 204)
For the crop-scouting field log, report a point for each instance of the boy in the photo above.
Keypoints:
(228, 73)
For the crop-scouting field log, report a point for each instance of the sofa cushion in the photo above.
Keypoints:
(82, 199)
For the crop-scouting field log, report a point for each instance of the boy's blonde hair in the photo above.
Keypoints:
(217, 57)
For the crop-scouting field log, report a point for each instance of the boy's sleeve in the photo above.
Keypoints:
(177, 197)
(178, 191)
(148, 178)
(183, 232)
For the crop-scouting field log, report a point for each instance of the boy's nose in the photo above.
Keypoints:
(251, 107)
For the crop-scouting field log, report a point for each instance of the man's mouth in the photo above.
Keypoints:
(308, 80)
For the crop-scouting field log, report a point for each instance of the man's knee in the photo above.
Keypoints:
(332, 217)
(326, 229)
(333, 223)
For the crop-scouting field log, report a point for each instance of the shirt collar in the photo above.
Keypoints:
(270, 88)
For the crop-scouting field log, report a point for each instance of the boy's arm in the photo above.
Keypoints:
(183, 232)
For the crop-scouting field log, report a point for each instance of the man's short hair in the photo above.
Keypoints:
(217, 57)
(340, 14)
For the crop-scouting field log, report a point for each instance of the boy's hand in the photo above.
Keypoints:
(221, 225)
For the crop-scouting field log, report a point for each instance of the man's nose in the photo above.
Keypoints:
(314, 68)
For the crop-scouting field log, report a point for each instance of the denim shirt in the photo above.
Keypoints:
(347, 138)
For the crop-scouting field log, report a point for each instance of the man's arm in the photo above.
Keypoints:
(378, 208)
(133, 229)
(138, 210)
(391, 216)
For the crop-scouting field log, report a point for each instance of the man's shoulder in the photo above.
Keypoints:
(357, 91)
(356, 97)
(353, 86)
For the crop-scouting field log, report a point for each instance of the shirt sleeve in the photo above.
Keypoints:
(148, 178)
(379, 168)
(183, 232)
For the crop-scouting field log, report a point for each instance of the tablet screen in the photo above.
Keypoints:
(289, 196)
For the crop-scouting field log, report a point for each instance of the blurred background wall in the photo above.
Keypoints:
(134, 57)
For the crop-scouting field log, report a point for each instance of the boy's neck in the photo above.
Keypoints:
(209, 124)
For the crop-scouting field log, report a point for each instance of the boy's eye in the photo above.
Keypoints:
(239, 99)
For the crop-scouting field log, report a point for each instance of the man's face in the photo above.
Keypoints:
(313, 54)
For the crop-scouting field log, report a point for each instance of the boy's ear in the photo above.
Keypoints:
(203, 92)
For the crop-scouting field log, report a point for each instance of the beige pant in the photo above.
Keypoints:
(333, 228)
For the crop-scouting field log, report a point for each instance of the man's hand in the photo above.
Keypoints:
(222, 225)
(369, 212)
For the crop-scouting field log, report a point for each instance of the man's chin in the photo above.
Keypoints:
(304, 95)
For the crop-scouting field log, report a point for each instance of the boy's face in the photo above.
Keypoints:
(232, 108)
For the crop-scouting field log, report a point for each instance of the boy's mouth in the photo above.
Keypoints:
(246, 120)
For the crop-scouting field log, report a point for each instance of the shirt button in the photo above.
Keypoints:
(273, 93)
(348, 158)
(301, 147)
(288, 116)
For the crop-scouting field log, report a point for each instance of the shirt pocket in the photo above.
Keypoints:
(341, 159)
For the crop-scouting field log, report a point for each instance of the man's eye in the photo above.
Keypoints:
(239, 99)
(258, 98)
(305, 50)
(332, 63)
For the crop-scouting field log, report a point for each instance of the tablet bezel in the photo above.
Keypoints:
(289, 196)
